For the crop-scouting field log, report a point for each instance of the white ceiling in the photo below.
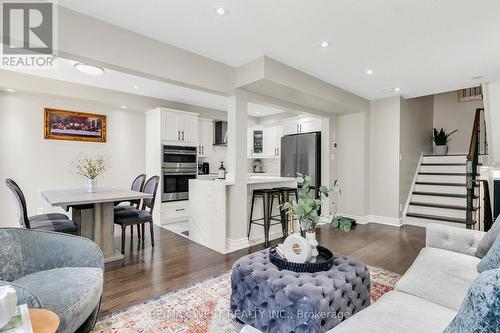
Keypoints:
(123, 82)
(422, 46)
(259, 110)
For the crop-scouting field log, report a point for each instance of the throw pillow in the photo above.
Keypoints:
(492, 259)
(480, 311)
(488, 239)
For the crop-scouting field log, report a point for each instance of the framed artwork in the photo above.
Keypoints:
(75, 126)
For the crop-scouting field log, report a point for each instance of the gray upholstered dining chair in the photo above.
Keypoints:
(137, 185)
(49, 222)
(54, 271)
(134, 216)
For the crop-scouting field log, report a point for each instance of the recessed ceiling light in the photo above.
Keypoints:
(10, 90)
(397, 89)
(89, 69)
(258, 112)
(123, 106)
(221, 11)
(369, 71)
(136, 87)
(325, 44)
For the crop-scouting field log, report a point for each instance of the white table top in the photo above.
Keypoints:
(74, 197)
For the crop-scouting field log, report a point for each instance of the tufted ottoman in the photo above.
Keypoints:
(274, 300)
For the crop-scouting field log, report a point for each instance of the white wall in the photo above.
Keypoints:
(384, 157)
(492, 107)
(416, 119)
(351, 157)
(450, 115)
(37, 164)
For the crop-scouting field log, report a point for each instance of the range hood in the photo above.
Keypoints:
(220, 133)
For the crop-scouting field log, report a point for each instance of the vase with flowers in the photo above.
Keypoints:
(91, 167)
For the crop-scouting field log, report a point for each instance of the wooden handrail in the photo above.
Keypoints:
(473, 148)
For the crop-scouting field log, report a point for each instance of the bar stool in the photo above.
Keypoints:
(285, 193)
(268, 196)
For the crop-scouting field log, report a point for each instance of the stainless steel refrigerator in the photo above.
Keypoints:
(301, 153)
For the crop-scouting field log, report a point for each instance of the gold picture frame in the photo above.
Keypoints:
(74, 126)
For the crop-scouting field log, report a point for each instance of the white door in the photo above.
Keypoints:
(279, 135)
(189, 128)
(250, 142)
(205, 137)
(270, 143)
(170, 127)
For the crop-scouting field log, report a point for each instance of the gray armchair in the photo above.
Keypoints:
(59, 272)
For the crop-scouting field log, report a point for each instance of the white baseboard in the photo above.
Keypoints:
(359, 219)
(374, 219)
(236, 244)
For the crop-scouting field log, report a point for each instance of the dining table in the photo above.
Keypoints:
(93, 213)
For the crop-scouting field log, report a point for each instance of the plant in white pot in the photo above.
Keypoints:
(306, 211)
(441, 139)
(91, 168)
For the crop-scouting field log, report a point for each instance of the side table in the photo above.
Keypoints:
(44, 321)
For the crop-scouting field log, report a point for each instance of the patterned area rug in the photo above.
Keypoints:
(202, 307)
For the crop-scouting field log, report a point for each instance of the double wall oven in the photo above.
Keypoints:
(178, 167)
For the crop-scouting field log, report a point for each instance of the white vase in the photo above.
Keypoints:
(313, 243)
(8, 302)
(91, 185)
(440, 150)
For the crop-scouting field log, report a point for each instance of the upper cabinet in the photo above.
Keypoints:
(264, 142)
(302, 125)
(205, 137)
(179, 127)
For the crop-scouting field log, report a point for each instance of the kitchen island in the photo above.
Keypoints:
(209, 224)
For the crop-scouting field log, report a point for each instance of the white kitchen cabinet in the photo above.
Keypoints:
(179, 127)
(205, 137)
(271, 141)
(302, 125)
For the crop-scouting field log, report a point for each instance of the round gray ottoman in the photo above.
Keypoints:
(274, 300)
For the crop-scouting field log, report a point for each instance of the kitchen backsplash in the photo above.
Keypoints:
(269, 165)
(220, 154)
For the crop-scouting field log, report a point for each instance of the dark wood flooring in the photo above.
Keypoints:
(175, 261)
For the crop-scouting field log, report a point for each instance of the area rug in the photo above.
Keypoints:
(202, 307)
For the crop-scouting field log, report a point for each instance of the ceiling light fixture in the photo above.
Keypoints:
(10, 90)
(136, 87)
(324, 44)
(89, 69)
(397, 89)
(258, 112)
(123, 106)
(221, 11)
(369, 71)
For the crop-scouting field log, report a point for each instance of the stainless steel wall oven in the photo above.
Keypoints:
(178, 167)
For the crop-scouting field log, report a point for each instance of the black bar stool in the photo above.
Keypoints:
(268, 196)
(285, 193)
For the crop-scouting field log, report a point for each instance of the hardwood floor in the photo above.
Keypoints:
(176, 261)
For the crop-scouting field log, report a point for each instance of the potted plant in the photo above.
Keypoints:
(305, 210)
(90, 168)
(441, 139)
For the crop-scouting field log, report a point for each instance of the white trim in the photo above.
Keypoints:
(385, 220)
(416, 223)
(359, 219)
(236, 244)
(410, 194)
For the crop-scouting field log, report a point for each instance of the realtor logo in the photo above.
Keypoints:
(28, 34)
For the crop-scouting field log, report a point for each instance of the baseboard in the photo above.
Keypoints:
(374, 219)
(359, 219)
(236, 244)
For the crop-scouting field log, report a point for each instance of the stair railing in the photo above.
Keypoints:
(472, 173)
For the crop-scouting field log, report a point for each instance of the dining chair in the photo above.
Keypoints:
(134, 216)
(137, 185)
(48, 222)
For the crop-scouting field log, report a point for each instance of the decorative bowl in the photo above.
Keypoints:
(324, 262)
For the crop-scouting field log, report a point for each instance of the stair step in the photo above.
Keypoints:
(432, 155)
(450, 195)
(442, 164)
(435, 205)
(442, 184)
(442, 174)
(440, 218)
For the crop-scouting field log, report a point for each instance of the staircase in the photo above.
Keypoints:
(440, 193)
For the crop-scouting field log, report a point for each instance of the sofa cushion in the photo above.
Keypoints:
(71, 292)
(397, 312)
(480, 311)
(488, 239)
(492, 258)
(440, 276)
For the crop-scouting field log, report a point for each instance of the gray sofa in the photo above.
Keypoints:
(430, 293)
(54, 271)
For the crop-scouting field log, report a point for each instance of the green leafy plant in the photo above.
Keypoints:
(306, 208)
(91, 167)
(440, 138)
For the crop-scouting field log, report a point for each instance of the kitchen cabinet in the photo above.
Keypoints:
(205, 137)
(264, 142)
(179, 127)
(302, 125)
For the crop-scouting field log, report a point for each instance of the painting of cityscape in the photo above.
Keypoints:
(77, 126)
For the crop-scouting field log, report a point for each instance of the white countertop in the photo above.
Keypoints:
(254, 180)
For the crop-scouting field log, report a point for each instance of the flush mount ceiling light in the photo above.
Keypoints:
(89, 69)
(221, 11)
(136, 87)
(324, 44)
(123, 106)
(369, 71)
(396, 89)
